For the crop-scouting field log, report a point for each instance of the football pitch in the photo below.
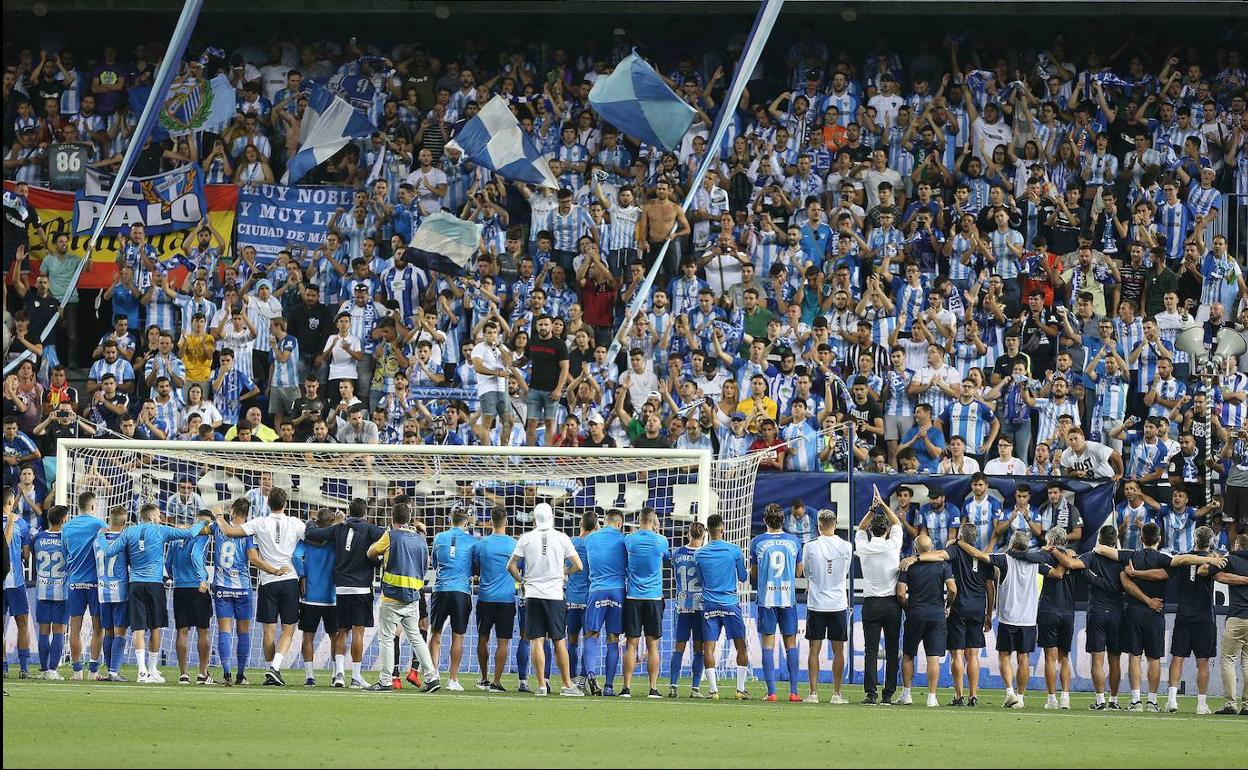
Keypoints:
(87, 724)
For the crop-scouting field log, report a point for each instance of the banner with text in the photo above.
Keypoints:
(274, 217)
(56, 212)
(163, 203)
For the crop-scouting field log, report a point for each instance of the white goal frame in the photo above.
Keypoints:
(701, 458)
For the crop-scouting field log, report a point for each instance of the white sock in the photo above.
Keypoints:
(340, 664)
(140, 653)
(1100, 697)
(1152, 697)
(905, 692)
(277, 661)
(307, 669)
(708, 675)
(1200, 699)
(742, 674)
(153, 662)
(355, 669)
(1172, 693)
(1052, 698)
(1065, 695)
(1009, 692)
(1135, 696)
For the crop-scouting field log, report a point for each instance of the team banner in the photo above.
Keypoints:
(56, 212)
(273, 217)
(163, 203)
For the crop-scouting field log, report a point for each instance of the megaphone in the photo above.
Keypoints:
(1229, 343)
(1192, 342)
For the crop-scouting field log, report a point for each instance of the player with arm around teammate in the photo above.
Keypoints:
(643, 598)
(81, 582)
(113, 588)
(318, 601)
(496, 599)
(549, 559)
(187, 564)
(51, 613)
(775, 564)
(688, 610)
(927, 591)
(721, 566)
(826, 562)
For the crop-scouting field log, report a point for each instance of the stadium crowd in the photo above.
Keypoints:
(978, 258)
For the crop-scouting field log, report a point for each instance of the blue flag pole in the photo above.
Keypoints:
(763, 22)
(169, 66)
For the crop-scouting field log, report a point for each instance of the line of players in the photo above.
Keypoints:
(321, 574)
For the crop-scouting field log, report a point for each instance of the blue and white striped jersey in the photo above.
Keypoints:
(286, 374)
(983, 514)
(112, 571)
(230, 570)
(49, 558)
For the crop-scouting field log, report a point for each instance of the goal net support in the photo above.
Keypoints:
(681, 485)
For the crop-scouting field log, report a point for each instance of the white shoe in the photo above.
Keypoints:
(1172, 707)
(812, 698)
(454, 686)
(1018, 703)
(932, 702)
(142, 678)
(155, 677)
(1051, 704)
(1203, 710)
(1009, 701)
(54, 675)
(904, 700)
(541, 691)
(76, 676)
(838, 700)
(1063, 702)
(571, 692)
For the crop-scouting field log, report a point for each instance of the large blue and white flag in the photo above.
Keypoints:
(328, 124)
(634, 99)
(191, 106)
(493, 138)
(444, 243)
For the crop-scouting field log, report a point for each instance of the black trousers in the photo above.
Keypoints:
(881, 613)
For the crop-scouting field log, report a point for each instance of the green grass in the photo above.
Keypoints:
(88, 724)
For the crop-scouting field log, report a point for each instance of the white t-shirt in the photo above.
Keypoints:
(276, 536)
(880, 558)
(1011, 467)
(544, 553)
(825, 562)
(491, 358)
(341, 364)
(429, 202)
(640, 386)
(272, 80)
(886, 108)
(988, 136)
(1094, 460)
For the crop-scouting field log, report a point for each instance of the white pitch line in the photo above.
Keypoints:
(321, 692)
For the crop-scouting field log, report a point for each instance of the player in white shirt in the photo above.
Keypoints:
(548, 557)
(276, 537)
(826, 561)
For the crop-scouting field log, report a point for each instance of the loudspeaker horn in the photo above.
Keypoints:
(1192, 342)
(1229, 343)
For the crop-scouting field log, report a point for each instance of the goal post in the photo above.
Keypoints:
(181, 476)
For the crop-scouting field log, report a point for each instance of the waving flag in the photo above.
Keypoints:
(191, 106)
(634, 99)
(444, 243)
(493, 138)
(328, 124)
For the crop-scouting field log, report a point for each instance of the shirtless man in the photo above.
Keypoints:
(655, 226)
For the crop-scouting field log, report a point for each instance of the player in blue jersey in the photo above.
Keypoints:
(607, 566)
(232, 598)
(775, 565)
(643, 599)
(187, 563)
(82, 597)
(314, 564)
(16, 601)
(50, 611)
(144, 547)
(577, 593)
(688, 601)
(113, 586)
(496, 599)
(721, 566)
(452, 591)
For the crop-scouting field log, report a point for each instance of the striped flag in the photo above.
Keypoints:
(493, 138)
(444, 243)
(328, 124)
(634, 99)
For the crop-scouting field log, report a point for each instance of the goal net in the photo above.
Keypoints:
(181, 477)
